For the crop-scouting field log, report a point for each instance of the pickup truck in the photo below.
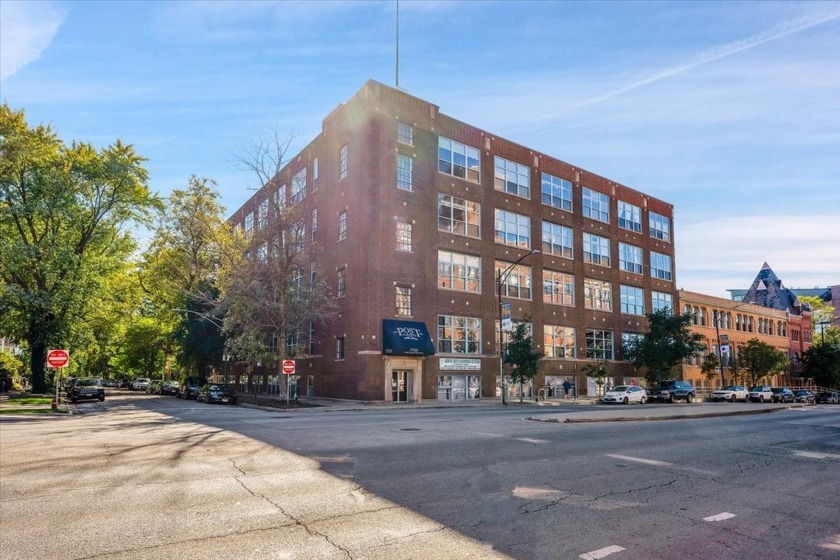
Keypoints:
(731, 393)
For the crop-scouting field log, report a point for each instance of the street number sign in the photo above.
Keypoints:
(288, 367)
(58, 358)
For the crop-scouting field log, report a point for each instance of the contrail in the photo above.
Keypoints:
(781, 30)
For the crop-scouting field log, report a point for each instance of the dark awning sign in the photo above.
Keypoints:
(406, 338)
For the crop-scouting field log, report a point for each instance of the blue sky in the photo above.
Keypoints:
(728, 110)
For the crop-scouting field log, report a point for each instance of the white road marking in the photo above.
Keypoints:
(640, 460)
(530, 440)
(816, 455)
(719, 517)
(600, 553)
(833, 543)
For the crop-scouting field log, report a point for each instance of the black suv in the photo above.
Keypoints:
(86, 388)
(189, 387)
(782, 395)
(672, 390)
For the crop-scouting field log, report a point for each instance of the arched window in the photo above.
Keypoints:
(738, 322)
(750, 325)
(770, 326)
(728, 320)
(703, 316)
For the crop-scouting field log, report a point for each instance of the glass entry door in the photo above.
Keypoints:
(399, 385)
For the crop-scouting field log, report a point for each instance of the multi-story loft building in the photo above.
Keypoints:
(416, 216)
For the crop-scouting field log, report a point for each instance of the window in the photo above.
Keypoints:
(557, 240)
(596, 250)
(630, 258)
(459, 216)
(342, 226)
(512, 178)
(632, 300)
(262, 253)
(405, 133)
(313, 274)
(457, 271)
(458, 160)
(596, 205)
(404, 167)
(599, 344)
(597, 294)
(660, 265)
(459, 335)
(517, 283)
(314, 221)
(559, 341)
(249, 225)
(339, 348)
(660, 227)
(299, 186)
(315, 174)
(629, 216)
(342, 162)
(660, 300)
(313, 345)
(403, 301)
(630, 340)
(262, 214)
(556, 192)
(280, 198)
(403, 236)
(341, 290)
(558, 287)
(513, 229)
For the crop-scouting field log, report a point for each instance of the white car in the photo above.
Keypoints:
(731, 393)
(140, 384)
(626, 394)
(761, 393)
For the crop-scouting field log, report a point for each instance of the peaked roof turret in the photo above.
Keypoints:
(768, 291)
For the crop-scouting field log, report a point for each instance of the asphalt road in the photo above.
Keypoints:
(157, 477)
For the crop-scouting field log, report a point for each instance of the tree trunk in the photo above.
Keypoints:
(37, 360)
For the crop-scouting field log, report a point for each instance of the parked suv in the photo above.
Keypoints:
(782, 395)
(761, 393)
(86, 388)
(731, 393)
(189, 387)
(672, 390)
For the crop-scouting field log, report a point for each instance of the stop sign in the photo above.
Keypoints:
(58, 358)
(288, 367)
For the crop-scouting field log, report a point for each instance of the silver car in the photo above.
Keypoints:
(626, 394)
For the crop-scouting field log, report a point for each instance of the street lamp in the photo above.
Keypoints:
(501, 276)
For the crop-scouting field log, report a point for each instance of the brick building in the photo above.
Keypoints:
(416, 215)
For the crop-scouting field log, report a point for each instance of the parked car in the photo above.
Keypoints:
(190, 386)
(168, 387)
(153, 386)
(124, 384)
(626, 394)
(672, 390)
(140, 384)
(827, 397)
(86, 388)
(761, 393)
(731, 393)
(804, 396)
(216, 393)
(782, 394)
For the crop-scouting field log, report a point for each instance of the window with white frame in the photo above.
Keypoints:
(404, 171)
(660, 265)
(299, 186)
(342, 226)
(459, 160)
(629, 341)
(529, 331)
(403, 236)
(599, 344)
(660, 226)
(558, 288)
(517, 283)
(559, 341)
(313, 274)
(457, 271)
(556, 192)
(262, 214)
(315, 174)
(249, 224)
(557, 240)
(596, 249)
(405, 133)
(632, 300)
(459, 216)
(339, 348)
(512, 177)
(459, 335)
(630, 258)
(597, 294)
(314, 222)
(403, 294)
(341, 286)
(343, 155)
(596, 205)
(629, 216)
(513, 229)
(280, 198)
(662, 301)
(262, 252)
(313, 343)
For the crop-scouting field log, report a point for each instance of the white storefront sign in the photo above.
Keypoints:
(459, 364)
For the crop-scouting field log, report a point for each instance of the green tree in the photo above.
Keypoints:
(758, 360)
(821, 362)
(668, 342)
(710, 366)
(522, 356)
(599, 371)
(63, 216)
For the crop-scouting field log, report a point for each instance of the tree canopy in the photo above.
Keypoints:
(758, 360)
(522, 355)
(668, 342)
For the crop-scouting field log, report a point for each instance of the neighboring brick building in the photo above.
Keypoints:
(737, 323)
(415, 214)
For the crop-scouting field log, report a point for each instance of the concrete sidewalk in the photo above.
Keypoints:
(650, 412)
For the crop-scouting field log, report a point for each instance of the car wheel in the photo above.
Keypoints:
(642, 400)
(671, 398)
(732, 398)
(74, 400)
(689, 398)
(761, 398)
(101, 399)
(625, 401)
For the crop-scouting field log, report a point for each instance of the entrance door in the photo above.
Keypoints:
(399, 385)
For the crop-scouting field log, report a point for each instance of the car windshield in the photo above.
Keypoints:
(88, 382)
(729, 388)
(800, 393)
(214, 387)
(757, 389)
(620, 389)
(142, 379)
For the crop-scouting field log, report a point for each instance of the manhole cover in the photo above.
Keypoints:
(410, 429)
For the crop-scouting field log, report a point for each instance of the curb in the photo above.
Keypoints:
(655, 418)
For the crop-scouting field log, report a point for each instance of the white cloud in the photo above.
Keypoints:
(26, 30)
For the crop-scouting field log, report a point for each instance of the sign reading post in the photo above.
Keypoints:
(58, 358)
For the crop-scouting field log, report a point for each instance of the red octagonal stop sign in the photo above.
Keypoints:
(288, 367)
(58, 358)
